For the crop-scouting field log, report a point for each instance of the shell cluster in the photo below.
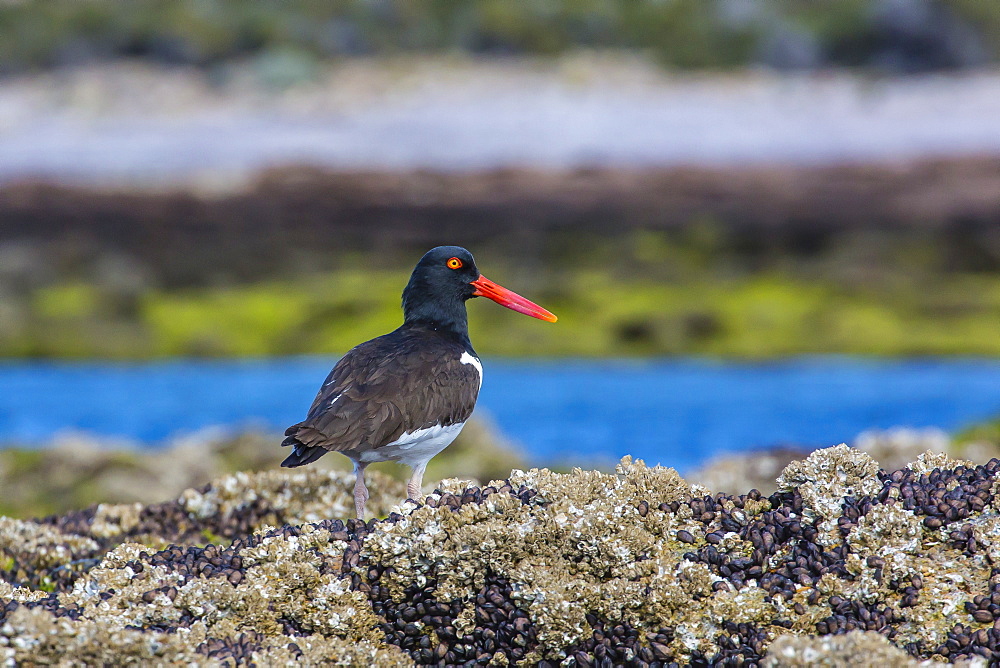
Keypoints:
(845, 562)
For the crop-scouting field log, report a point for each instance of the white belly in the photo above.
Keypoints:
(414, 449)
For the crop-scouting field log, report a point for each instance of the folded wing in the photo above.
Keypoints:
(384, 388)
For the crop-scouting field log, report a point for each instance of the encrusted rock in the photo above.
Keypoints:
(849, 563)
(857, 648)
(930, 460)
(825, 478)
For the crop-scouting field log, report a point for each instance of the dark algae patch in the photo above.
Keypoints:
(847, 564)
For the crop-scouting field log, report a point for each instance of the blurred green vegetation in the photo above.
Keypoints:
(601, 313)
(701, 289)
(288, 37)
(984, 432)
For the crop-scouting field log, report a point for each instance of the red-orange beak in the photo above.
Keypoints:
(501, 295)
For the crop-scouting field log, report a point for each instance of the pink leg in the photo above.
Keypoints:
(360, 491)
(415, 483)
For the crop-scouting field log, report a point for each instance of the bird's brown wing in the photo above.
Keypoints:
(395, 384)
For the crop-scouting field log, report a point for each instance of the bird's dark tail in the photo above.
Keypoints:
(302, 454)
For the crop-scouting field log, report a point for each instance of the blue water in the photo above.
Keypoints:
(676, 413)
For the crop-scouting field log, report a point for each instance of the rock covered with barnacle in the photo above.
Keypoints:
(846, 562)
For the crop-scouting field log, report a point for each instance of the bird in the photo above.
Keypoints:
(404, 396)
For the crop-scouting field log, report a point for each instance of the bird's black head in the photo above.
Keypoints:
(441, 283)
(439, 286)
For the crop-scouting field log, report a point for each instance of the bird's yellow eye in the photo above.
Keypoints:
(454, 263)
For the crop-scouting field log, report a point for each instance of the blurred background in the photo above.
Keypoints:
(766, 227)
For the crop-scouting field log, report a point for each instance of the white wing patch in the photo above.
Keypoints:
(466, 358)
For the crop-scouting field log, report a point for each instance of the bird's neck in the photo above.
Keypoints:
(447, 316)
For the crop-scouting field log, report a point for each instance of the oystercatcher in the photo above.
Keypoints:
(406, 395)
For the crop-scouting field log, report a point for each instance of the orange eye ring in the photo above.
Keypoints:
(454, 263)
